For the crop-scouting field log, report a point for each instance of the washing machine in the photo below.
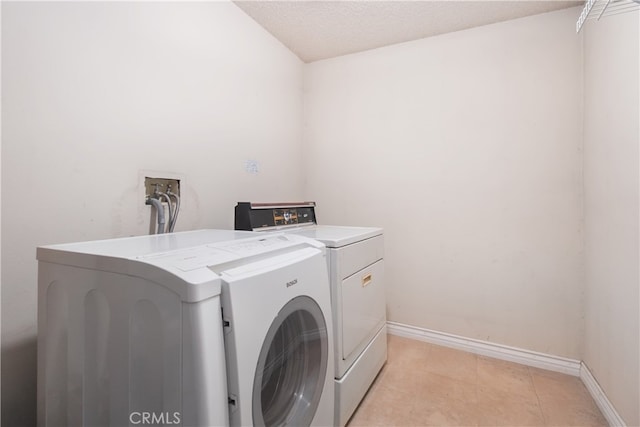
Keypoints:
(278, 333)
(201, 328)
(355, 264)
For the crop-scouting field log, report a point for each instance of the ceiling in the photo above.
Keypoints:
(316, 30)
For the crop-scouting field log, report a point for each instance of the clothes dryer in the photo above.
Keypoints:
(356, 273)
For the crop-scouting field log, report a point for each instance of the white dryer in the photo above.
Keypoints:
(131, 331)
(356, 273)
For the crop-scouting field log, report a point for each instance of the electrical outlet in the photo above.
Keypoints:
(162, 184)
(251, 166)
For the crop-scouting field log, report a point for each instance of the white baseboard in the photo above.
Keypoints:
(607, 409)
(485, 348)
(512, 354)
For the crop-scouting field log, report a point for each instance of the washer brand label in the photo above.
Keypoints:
(291, 283)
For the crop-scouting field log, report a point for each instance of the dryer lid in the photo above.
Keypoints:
(299, 218)
(336, 236)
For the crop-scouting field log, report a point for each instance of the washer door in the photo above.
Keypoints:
(292, 366)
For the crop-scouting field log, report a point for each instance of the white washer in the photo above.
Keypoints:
(356, 273)
(279, 336)
(131, 330)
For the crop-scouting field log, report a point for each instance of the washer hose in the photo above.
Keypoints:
(160, 212)
(176, 211)
(171, 215)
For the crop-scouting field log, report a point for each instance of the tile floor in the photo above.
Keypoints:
(427, 385)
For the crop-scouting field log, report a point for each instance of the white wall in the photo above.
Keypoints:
(94, 93)
(0, 217)
(611, 174)
(466, 148)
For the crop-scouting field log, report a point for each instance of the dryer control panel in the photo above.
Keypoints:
(274, 216)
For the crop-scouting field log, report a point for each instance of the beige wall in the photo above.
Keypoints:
(94, 93)
(466, 148)
(611, 175)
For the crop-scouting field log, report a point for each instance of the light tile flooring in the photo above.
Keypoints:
(428, 385)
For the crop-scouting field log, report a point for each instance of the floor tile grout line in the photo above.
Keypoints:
(477, 403)
(535, 390)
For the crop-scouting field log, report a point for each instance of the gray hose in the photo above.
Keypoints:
(161, 194)
(174, 219)
(160, 212)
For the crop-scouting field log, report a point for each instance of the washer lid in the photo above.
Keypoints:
(183, 262)
(139, 245)
(335, 236)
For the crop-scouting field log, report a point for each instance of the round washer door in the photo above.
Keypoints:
(292, 366)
